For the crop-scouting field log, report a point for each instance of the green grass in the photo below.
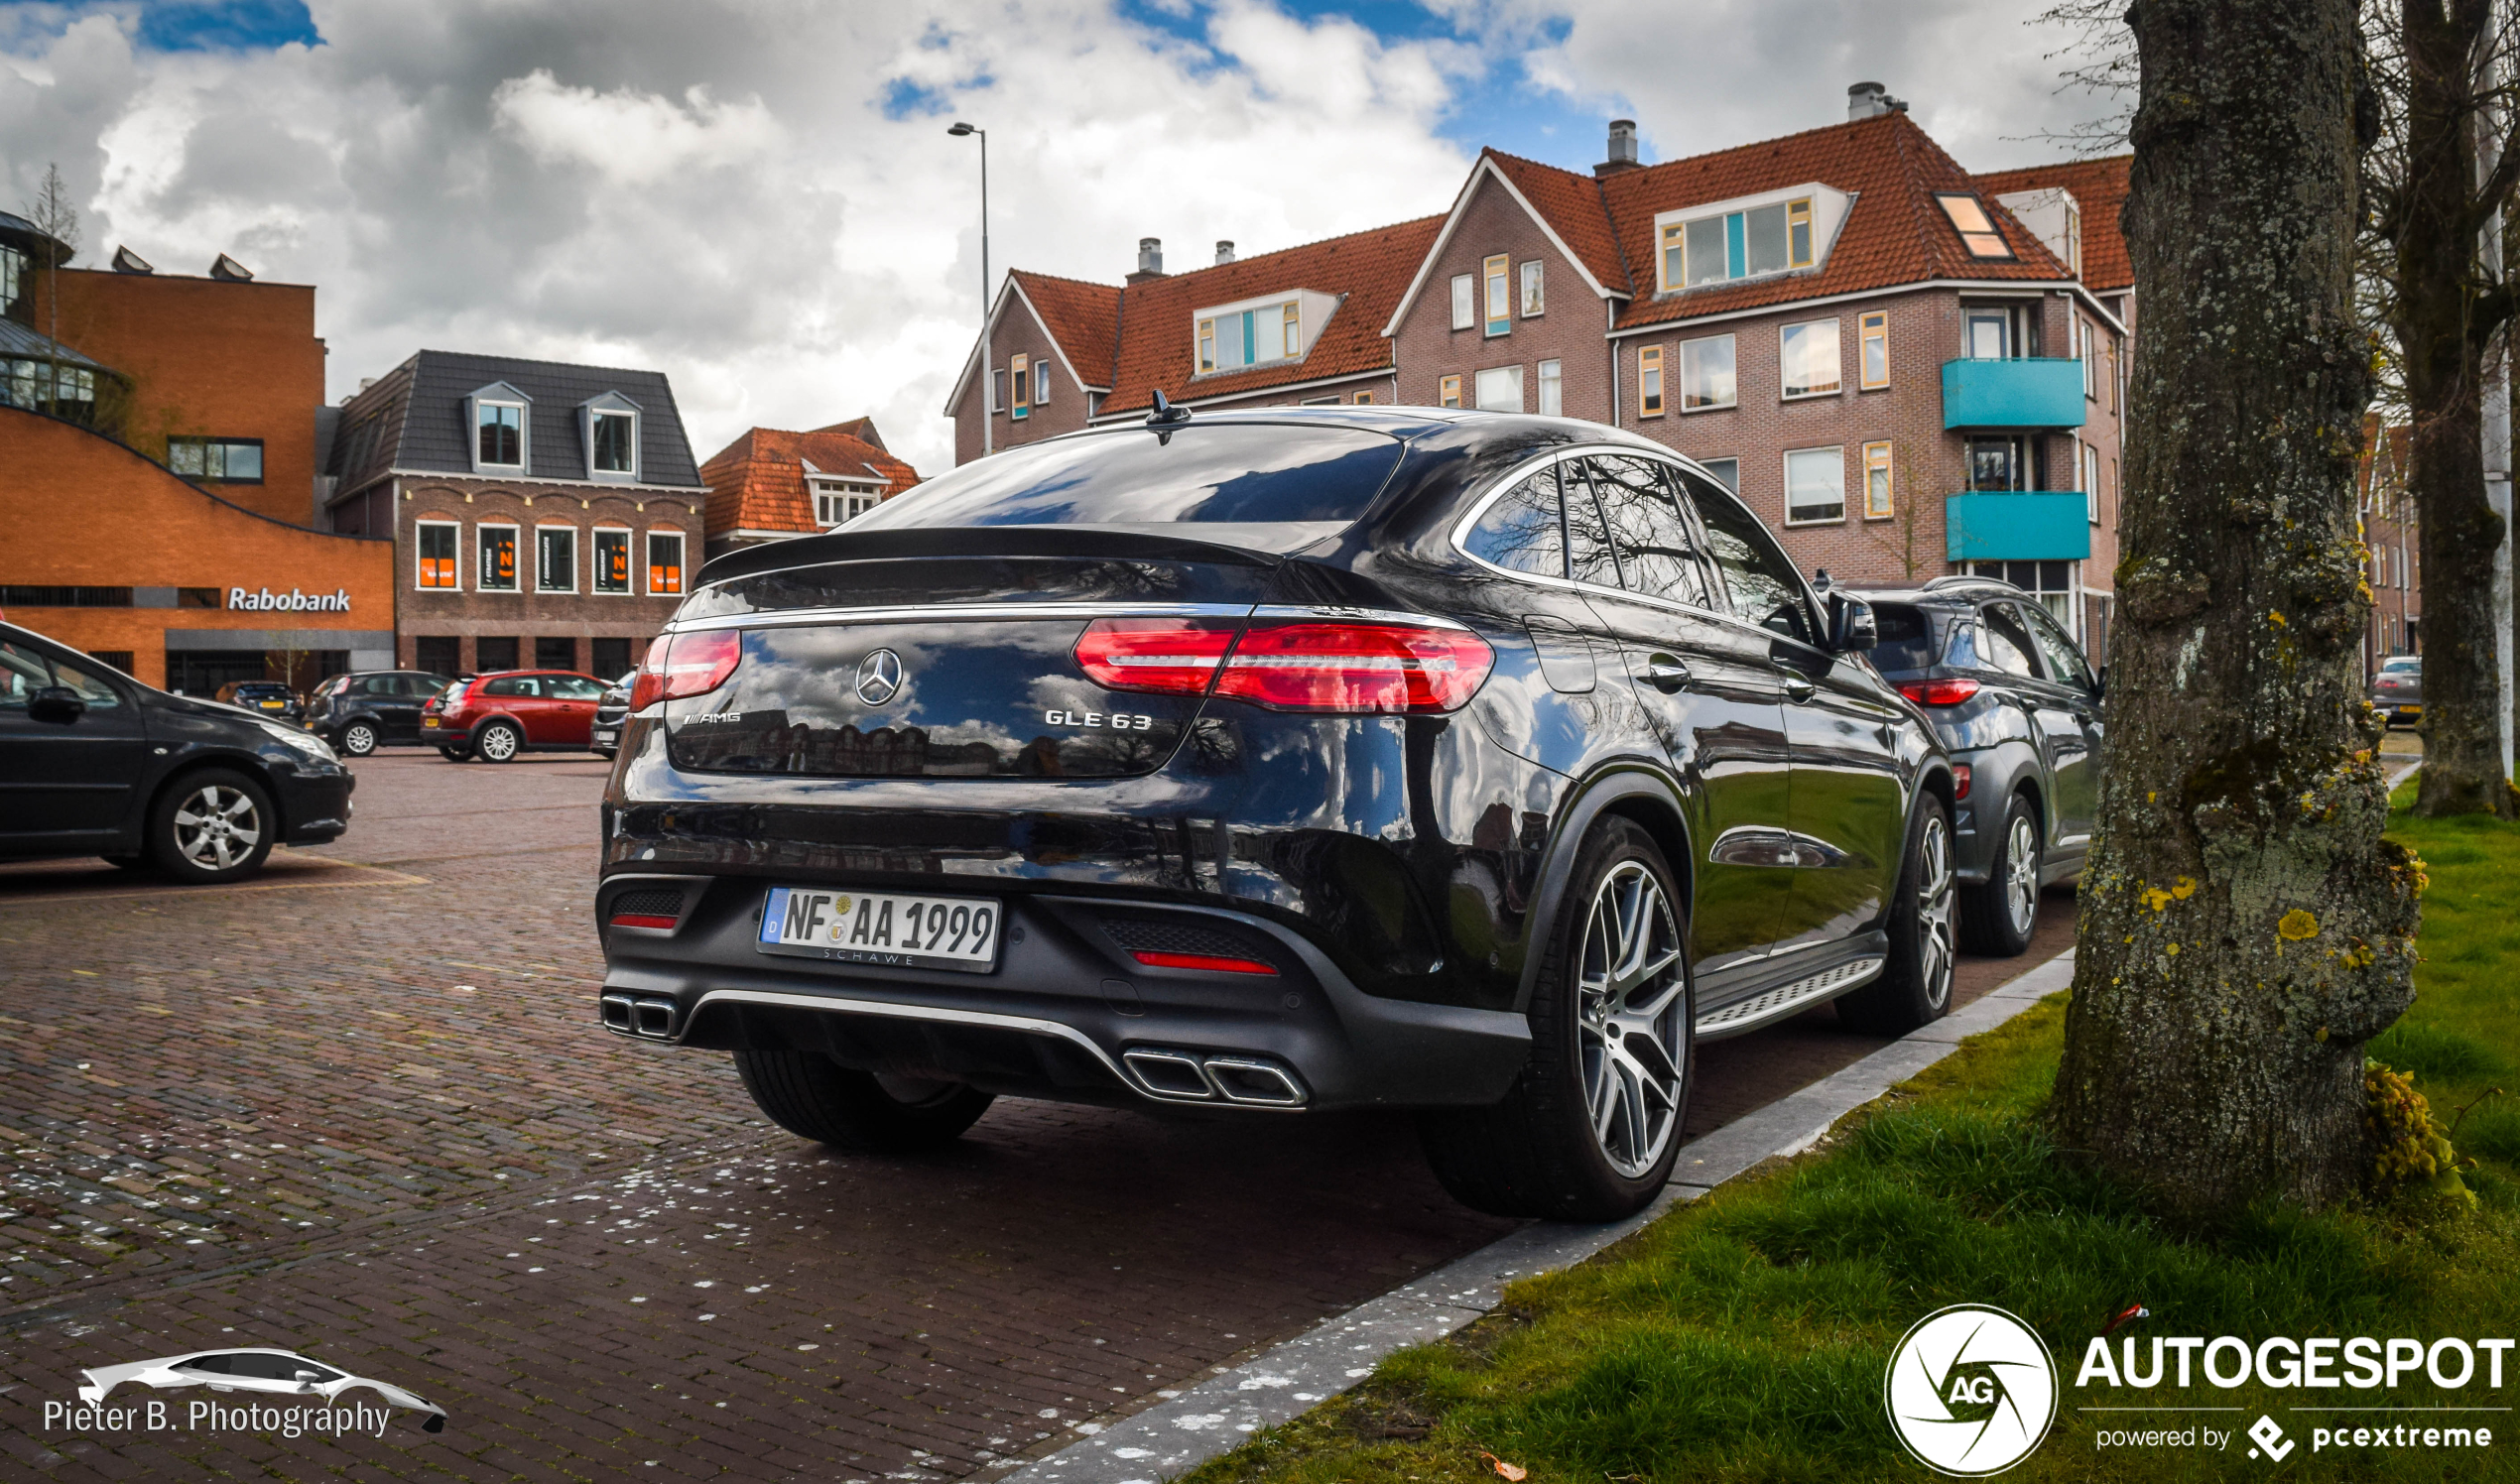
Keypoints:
(1743, 1338)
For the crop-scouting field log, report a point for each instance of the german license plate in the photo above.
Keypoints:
(881, 928)
(427, 721)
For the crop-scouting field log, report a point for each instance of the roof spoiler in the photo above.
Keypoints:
(1101, 543)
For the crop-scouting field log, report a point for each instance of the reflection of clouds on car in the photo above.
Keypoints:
(271, 1372)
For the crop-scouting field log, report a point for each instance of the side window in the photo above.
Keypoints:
(382, 684)
(21, 674)
(99, 696)
(1589, 555)
(1520, 531)
(513, 685)
(573, 688)
(2003, 643)
(1757, 578)
(2064, 662)
(1657, 553)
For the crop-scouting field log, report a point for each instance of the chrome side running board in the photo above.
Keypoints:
(1788, 999)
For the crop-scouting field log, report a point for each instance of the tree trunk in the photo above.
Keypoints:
(2244, 928)
(2443, 345)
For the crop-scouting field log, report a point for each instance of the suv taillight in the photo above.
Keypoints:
(1949, 693)
(680, 665)
(1292, 664)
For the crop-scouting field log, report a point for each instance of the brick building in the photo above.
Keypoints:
(1906, 369)
(2390, 532)
(771, 484)
(541, 514)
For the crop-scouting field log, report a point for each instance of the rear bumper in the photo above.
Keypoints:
(443, 735)
(1067, 1014)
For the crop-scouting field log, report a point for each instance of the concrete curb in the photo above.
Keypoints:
(1214, 1417)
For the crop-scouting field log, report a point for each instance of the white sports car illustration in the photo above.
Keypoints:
(274, 1371)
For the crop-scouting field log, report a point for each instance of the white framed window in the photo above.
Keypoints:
(1500, 389)
(1815, 485)
(608, 425)
(2091, 482)
(1535, 295)
(1041, 381)
(997, 390)
(1770, 237)
(613, 559)
(555, 558)
(2085, 343)
(665, 563)
(495, 568)
(1879, 504)
(499, 429)
(1727, 472)
(1553, 389)
(1259, 332)
(1465, 302)
(1500, 294)
(1872, 330)
(1808, 356)
(1705, 374)
(434, 545)
(837, 504)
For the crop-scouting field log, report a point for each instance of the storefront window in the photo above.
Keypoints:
(664, 561)
(612, 561)
(438, 556)
(497, 571)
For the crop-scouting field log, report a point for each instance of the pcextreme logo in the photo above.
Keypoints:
(1970, 1391)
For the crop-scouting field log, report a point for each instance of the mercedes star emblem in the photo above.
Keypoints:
(879, 677)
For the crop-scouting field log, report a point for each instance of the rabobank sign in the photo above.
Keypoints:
(264, 600)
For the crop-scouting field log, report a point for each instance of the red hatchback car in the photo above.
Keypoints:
(495, 716)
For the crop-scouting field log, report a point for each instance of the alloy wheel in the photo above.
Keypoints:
(497, 744)
(1631, 1018)
(358, 739)
(2021, 873)
(217, 828)
(1936, 890)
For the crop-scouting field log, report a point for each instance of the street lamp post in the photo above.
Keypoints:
(988, 373)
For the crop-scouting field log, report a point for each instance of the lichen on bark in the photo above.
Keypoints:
(2244, 927)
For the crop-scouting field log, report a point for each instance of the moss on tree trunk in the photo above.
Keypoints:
(2244, 928)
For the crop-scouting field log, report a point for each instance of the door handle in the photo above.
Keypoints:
(1666, 674)
(1797, 685)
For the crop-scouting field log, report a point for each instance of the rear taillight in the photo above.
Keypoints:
(1959, 779)
(1938, 692)
(1209, 962)
(641, 920)
(1306, 665)
(680, 665)
(1167, 656)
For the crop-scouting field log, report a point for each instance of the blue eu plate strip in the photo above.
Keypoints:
(773, 914)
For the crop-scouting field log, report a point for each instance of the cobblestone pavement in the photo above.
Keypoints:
(360, 1109)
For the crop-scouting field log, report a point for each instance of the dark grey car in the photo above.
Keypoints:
(367, 709)
(2018, 708)
(2397, 690)
(611, 713)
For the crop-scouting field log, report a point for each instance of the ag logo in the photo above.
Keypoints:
(1970, 1391)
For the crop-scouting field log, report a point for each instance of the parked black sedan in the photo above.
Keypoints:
(1474, 764)
(367, 709)
(95, 763)
(2018, 708)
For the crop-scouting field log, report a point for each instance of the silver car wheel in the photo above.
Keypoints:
(217, 828)
(498, 743)
(1631, 1018)
(2020, 874)
(358, 739)
(1936, 890)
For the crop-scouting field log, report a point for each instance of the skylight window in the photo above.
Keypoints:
(1976, 229)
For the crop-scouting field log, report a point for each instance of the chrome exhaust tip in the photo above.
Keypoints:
(617, 1012)
(1253, 1081)
(1170, 1074)
(655, 1019)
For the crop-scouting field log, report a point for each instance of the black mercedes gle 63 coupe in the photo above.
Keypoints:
(1466, 763)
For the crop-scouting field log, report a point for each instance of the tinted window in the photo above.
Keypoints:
(573, 688)
(382, 684)
(1588, 556)
(2003, 643)
(1218, 472)
(1657, 554)
(1757, 578)
(1520, 531)
(1907, 639)
(2057, 648)
(275, 1367)
(513, 685)
(92, 691)
(21, 674)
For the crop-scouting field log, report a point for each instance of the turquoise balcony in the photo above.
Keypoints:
(2033, 525)
(2018, 393)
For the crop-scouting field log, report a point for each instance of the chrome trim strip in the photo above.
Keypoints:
(791, 617)
(1771, 1006)
(1356, 615)
(1028, 1025)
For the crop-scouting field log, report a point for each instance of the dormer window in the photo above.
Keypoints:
(502, 429)
(609, 424)
(1780, 231)
(1259, 332)
(837, 503)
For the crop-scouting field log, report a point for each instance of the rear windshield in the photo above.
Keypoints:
(1261, 473)
(1906, 638)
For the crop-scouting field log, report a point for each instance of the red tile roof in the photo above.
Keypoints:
(1575, 208)
(1894, 233)
(757, 482)
(2099, 189)
(1085, 318)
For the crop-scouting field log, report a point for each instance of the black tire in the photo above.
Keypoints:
(128, 862)
(455, 754)
(358, 739)
(1542, 1151)
(1998, 916)
(498, 742)
(213, 826)
(815, 1097)
(1914, 987)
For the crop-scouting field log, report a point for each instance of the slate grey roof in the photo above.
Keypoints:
(413, 419)
(17, 342)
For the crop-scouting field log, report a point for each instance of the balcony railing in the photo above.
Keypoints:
(2016, 393)
(2034, 525)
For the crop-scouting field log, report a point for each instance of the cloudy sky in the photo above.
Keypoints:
(759, 197)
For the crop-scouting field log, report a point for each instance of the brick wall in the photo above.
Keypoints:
(1569, 331)
(1017, 333)
(208, 358)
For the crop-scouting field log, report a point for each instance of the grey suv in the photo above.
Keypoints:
(2018, 706)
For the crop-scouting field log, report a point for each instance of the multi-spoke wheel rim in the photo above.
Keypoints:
(1935, 892)
(499, 744)
(359, 740)
(1632, 1019)
(217, 828)
(2021, 873)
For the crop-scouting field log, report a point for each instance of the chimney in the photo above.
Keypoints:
(1224, 251)
(1622, 147)
(1150, 260)
(1871, 100)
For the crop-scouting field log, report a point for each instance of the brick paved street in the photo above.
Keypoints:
(359, 1108)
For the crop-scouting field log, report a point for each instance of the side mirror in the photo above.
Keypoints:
(59, 704)
(2099, 682)
(1852, 626)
